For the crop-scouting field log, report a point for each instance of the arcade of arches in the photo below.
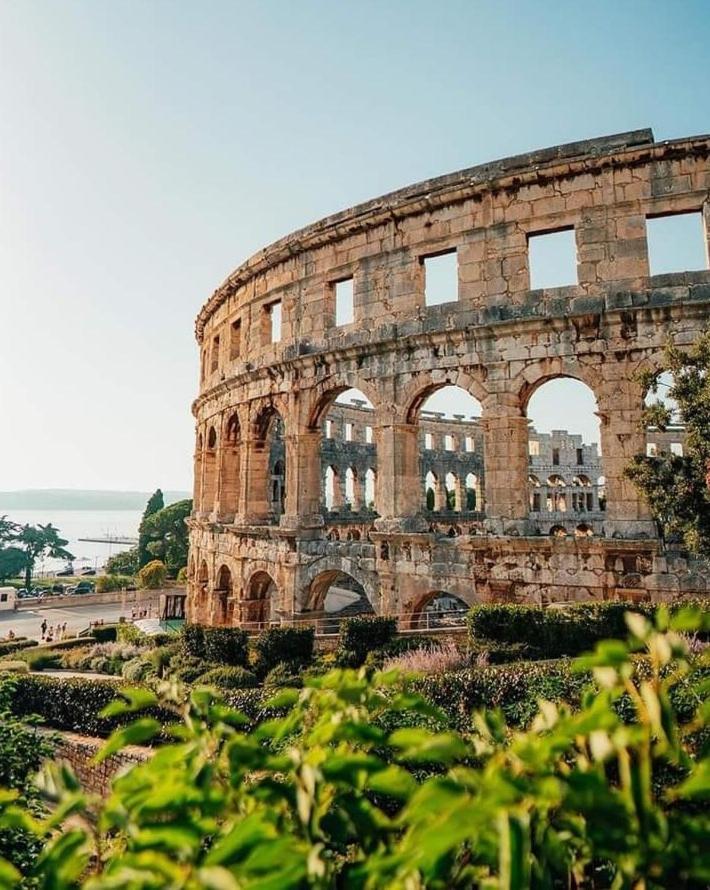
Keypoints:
(323, 475)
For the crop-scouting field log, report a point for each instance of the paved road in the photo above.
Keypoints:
(26, 623)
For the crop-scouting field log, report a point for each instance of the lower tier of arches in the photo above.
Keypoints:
(257, 576)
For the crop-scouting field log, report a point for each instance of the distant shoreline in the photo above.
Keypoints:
(79, 499)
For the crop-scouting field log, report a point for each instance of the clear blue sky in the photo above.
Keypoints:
(146, 148)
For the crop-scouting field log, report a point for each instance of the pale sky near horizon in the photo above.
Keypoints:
(147, 147)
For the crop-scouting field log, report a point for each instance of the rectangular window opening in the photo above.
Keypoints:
(676, 243)
(555, 457)
(428, 441)
(441, 278)
(552, 259)
(470, 445)
(329, 429)
(534, 448)
(368, 435)
(677, 449)
(274, 314)
(214, 364)
(344, 302)
(235, 341)
(348, 432)
(651, 449)
(580, 457)
(448, 443)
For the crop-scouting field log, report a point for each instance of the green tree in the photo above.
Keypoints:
(12, 562)
(155, 503)
(37, 541)
(678, 488)
(152, 575)
(167, 535)
(123, 563)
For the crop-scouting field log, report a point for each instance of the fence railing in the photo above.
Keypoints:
(329, 625)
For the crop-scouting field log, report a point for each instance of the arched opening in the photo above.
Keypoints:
(231, 457)
(197, 478)
(209, 484)
(535, 496)
(348, 452)
(269, 470)
(450, 448)
(224, 603)
(556, 494)
(583, 531)
(202, 593)
(338, 595)
(558, 531)
(439, 609)
(665, 431)
(259, 605)
(564, 449)
(332, 491)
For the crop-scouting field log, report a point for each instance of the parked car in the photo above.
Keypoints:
(66, 572)
(87, 572)
(22, 593)
(84, 587)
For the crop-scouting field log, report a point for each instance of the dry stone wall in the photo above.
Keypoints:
(273, 357)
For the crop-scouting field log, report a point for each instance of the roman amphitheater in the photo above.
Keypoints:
(321, 469)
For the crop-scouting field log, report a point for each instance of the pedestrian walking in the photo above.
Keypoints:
(43, 628)
(64, 630)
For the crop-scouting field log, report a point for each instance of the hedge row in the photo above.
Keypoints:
(71, 703)
(552, 632)
(15, 646)
(360, 636)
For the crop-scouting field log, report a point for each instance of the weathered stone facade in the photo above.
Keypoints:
(262, 544)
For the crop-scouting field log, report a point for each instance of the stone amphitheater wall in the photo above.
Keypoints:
(498, 340)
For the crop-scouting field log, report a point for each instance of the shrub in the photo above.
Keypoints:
(110, 583)
(193, 638)
(286, 673)
(73, 643)
(153, 574)
(230, 678)
(41, 659)
(396, 646)
(226, 645)
(592, 798)
(104, 632)
(129, 633)
(433, 660)
(71, 703)
(15, 646)
(14, 667)
(358, 636)
(189, 669)
(137, 669)
(551, 632)
(293, 644)
(182, 575)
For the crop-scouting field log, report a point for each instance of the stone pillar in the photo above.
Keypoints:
(622, 437)
(304, 483)
(398, 480)
(209, 480)
(358, 492)
(255, 507)
(197, 480)
(439, 494)
(505, 433)
(459, 495)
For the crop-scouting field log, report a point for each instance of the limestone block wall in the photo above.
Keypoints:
(274, 357)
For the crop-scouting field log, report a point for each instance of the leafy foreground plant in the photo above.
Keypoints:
(326, 797)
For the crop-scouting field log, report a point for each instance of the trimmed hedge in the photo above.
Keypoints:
(230, 677)
(15, 646)
(72, 643)
(359, 636)
(104, 633)
(279, 644)
(226, 645)
(72, 703)
(567, 630)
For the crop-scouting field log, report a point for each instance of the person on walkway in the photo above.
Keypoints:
(64, 630)
(43, 627)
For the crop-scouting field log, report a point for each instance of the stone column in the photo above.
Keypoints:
(505, 436)
(254, 507)
(304, 482)
(622, 437)
(197, 480)
(439, 494)
(459, 495)
(398, 496)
